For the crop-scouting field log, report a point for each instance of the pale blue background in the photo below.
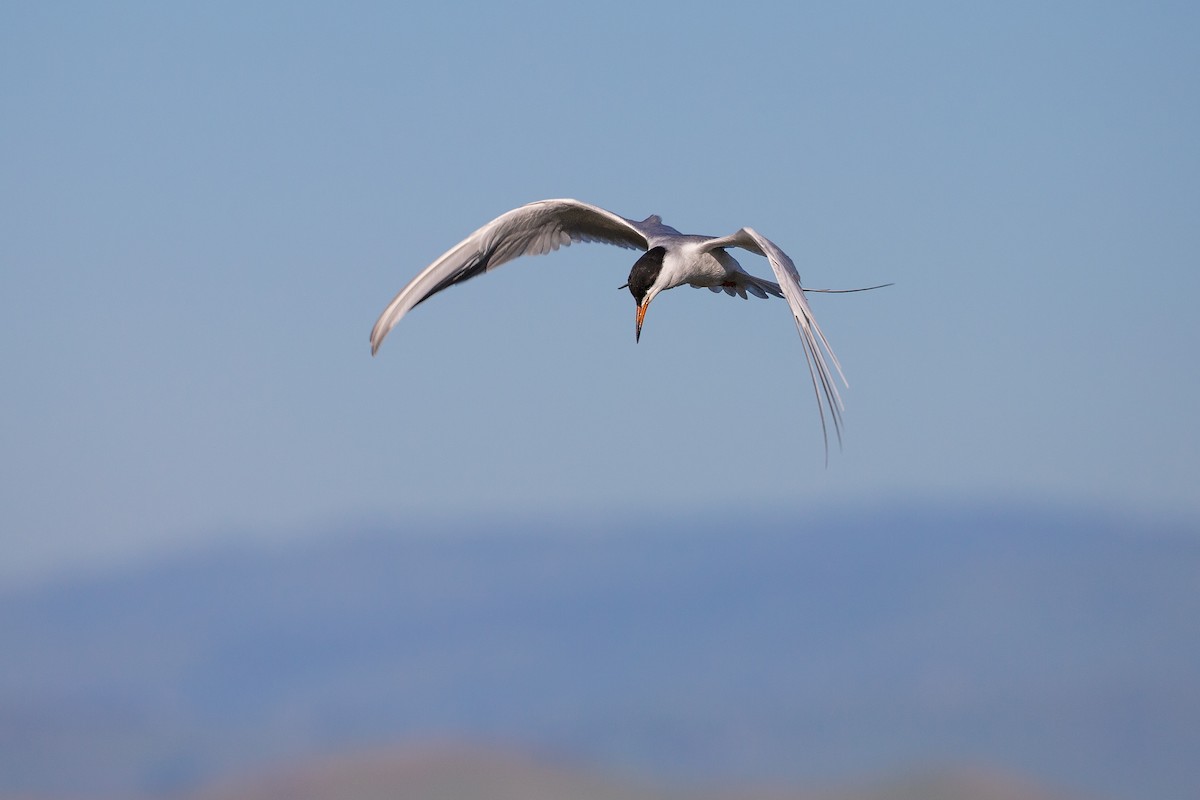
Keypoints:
(203, 208)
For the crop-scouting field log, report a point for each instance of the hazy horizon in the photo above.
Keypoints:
(743, 649)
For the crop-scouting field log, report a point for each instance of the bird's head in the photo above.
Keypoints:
(642, 280)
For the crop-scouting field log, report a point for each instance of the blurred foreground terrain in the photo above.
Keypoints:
(472, 774)
(975, 653)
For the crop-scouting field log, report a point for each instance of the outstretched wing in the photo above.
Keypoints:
(816, 346)
(530, 230)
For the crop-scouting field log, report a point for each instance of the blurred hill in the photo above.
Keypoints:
(457, 773)
(739, 648)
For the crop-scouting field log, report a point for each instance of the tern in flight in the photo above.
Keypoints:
(670, 259)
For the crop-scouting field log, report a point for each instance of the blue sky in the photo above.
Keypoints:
(204, 207)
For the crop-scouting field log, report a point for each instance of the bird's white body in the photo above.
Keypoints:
(688, 262)
(671, 259)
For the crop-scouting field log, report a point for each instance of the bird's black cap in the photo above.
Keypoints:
(645, 272)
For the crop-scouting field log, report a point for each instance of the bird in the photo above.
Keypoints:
(669, 259)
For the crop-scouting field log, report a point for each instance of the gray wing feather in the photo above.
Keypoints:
(531, 230)
(816, 346)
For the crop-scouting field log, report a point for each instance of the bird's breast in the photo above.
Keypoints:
(689, 264)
